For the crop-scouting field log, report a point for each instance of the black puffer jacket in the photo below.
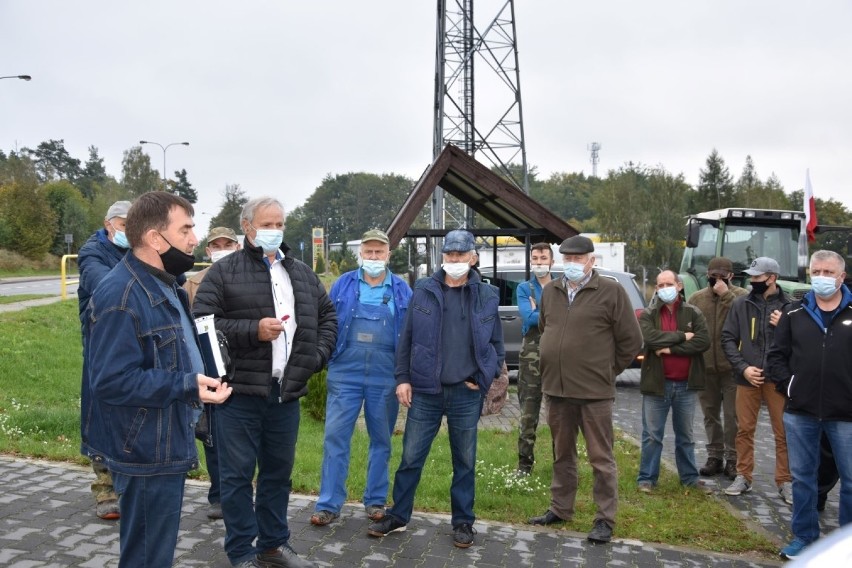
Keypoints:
(238, 292)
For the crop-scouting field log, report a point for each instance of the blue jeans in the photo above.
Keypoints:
(346, 394)
(253, 431)
(462, 406)
(655, 412)
(803, 451)
(150, 517)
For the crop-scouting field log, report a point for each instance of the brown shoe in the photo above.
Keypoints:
(108, 510)
(731, 469)
(712, 467)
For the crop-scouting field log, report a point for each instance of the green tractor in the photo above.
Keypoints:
(741, 235)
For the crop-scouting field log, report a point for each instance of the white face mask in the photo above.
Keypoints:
(218, 255)
(540, 270)
(456, 270)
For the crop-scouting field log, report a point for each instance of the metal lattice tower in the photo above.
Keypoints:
(594, 148)
(480, 112)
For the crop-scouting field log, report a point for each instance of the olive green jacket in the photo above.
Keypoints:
(715, 309)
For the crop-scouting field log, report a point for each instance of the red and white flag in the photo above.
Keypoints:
(810, 208)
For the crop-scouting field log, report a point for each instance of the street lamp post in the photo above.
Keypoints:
(22, 77)
(166, 147)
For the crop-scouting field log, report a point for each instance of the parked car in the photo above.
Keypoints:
(507, 279)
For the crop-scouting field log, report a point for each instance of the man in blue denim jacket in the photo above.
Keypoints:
(450, 350)
(146, 378)
(371, 303)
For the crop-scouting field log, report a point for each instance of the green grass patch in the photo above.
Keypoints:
(22, 298)
(40, 365)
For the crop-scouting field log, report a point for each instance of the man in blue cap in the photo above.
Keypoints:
(450, 350)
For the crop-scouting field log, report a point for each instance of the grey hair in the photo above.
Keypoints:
(250, 208)
(823, 255)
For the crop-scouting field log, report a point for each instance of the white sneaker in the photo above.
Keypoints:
(786, 492)
(739, 486)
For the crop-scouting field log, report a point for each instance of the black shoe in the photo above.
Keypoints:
(731, 469)
(712, 467)
(463, 535)
(601, 532)
(282, 556)
(386, 526)
(549, 518)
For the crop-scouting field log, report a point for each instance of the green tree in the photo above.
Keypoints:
(715, 185)
(232, 206)
(18, 168)
(52, 162)
(94, 175)
(26, 220)
(182, 187)
(72, 214)
(643, 207)
(567, 195)
(137, 176)
(347, 205)
(748, 188)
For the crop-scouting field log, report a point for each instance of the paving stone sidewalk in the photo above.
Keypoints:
(47, 520)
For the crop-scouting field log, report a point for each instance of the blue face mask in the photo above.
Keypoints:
(574, 271)
(373, 268)
(667, 294)
(120, 239)
(824, 286)
(269, 239)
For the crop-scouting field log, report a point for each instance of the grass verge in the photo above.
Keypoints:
(40, 368)
(22, 298)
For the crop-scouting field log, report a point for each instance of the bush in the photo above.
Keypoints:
(14, 263)
(314, 401)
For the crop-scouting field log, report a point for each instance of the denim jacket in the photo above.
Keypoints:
(142, 384)
(418, 355)
(344, 295)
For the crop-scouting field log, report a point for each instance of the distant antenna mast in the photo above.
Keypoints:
(594, 148)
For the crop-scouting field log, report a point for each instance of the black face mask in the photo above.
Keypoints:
(176, 262)
(759, 288)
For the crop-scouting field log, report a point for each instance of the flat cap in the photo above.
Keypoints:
(720, 264)
(577, 244)
(222, 233)
(762, 265)
(118, 209)
(375, 235)
(458, 240)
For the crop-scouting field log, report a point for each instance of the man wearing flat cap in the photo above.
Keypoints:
(746, 339)
(718, 399)
(101, 252)
(589, 334)
(450, 350)
(371, 303)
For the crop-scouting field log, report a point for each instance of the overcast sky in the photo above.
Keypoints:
(275, 95)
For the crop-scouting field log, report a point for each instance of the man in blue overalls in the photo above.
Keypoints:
(371, 304)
